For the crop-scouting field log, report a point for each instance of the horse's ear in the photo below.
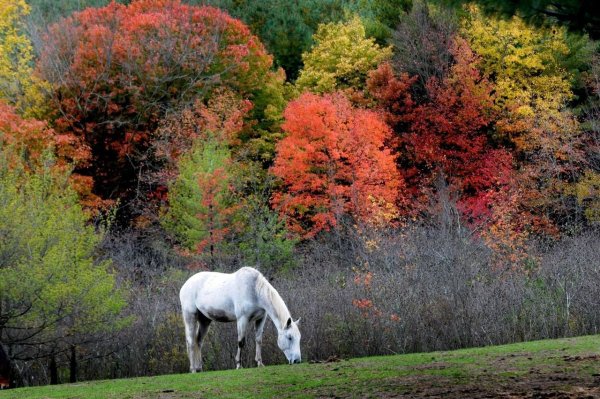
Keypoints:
(289, 323)
(298, 321)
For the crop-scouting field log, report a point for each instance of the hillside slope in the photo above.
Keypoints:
(565, 368)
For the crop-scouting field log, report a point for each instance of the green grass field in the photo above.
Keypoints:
(562, 368)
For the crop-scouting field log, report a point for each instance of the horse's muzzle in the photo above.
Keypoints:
(295, 361)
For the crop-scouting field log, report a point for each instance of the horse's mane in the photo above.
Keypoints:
(266, 291)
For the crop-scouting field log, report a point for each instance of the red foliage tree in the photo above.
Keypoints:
(118, 70)
(392, 93)
(447, 134)
(334, 161)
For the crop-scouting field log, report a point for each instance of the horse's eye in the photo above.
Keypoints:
(290, 338)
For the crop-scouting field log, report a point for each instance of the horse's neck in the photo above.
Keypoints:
(273, 304)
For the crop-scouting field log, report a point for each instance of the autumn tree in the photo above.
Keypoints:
(446, 136)
(202, 207)
(334, 161)
(29, 139)
(119, 69)
(588, 187)
(222, 117)
(19, 86)
(341, 58)
(533, 89)
(393, 95)
(449, 132)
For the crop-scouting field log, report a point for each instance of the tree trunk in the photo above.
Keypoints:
(73, 364)
(53, 370)
(5, 370)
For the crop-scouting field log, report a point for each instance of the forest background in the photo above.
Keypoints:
(409, 175)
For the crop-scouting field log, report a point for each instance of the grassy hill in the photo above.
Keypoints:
(564, 368)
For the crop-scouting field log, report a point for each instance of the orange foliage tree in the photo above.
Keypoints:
(118, 70)
(334, 161)
(27, 138)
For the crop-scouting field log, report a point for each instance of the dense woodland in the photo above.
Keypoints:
(410, 175)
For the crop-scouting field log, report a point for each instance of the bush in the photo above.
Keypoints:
(363, 292)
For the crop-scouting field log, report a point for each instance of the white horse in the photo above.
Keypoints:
(244, 296)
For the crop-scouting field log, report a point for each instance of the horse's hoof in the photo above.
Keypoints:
(260, 364)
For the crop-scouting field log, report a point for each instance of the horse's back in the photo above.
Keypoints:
(217, 295)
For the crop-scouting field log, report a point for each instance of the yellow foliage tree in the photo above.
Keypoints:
(18, 84)
(533, 89)
(341, 58)
(525, 63)
(588, 195)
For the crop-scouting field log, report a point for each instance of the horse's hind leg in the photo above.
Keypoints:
(203, 324)
(260, 326)
(190, 319)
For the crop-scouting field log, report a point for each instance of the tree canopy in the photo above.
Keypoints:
(52, 289)
(117, 70)
(341, 58)
(334, 161)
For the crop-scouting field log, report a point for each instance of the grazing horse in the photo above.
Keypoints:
(244, 296)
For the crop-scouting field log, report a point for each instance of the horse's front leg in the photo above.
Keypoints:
(242, 325)
(260, 326)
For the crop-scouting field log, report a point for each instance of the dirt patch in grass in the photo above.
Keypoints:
(515, 376)
(582, 358)
(433, 366)
(539, 387)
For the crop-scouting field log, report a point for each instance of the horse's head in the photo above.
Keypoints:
(289, 341)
